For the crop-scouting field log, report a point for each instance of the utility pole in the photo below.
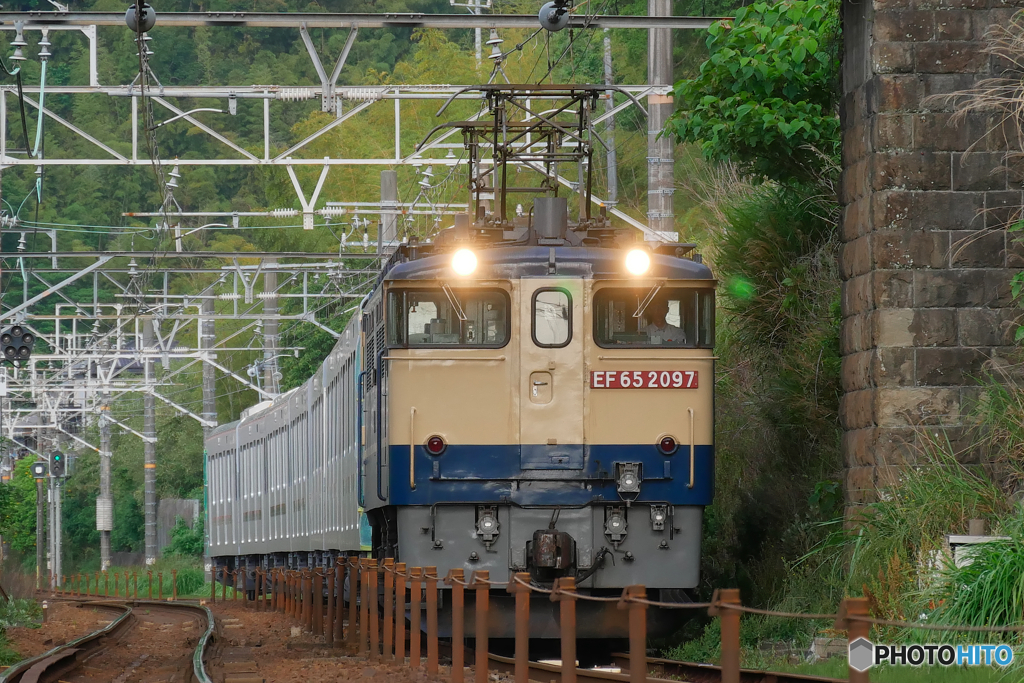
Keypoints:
(660, 178)
(609, 130)
(149, 444)
(40, 534)
(105, 502)
(56, 531)
(207, 338)
(270, 328)
(51, 545)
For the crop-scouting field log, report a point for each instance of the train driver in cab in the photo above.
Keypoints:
(659, 331)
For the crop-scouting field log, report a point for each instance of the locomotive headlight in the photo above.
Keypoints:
(638, 261)
(464, 262)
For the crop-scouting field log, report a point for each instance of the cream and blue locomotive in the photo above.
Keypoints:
(526, 395)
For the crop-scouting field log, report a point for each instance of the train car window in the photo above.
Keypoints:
(552, 318)
(678, 317)
(430, 318)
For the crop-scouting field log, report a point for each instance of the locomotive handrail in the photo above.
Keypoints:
(447, 358)
(693, 450)
(412, 448)
(380, 430)
(658, 357)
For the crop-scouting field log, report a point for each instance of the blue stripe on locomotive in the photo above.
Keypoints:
(481, 474)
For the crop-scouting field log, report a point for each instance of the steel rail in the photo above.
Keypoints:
(709, 673)
(190, 254)
(40, 19)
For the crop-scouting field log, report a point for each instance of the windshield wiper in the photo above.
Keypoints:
(454, 301)
(648, 299)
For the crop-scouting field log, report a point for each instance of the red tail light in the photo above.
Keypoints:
(668, 445)
(436, 445)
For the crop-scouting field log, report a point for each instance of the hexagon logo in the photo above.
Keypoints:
(862, 654)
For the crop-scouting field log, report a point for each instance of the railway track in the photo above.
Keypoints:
(155, 642)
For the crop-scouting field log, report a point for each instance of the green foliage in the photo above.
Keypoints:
(187, 541)
(766, 97)
(20, 612)
(18, 509)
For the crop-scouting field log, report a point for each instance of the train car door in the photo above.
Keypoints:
(551, 374)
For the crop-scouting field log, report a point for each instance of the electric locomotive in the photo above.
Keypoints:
(527, 393)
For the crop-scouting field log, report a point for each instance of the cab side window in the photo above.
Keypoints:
(552, 318)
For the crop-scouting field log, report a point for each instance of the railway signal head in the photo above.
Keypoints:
(39, 470)
(16, 343)
(57, 464)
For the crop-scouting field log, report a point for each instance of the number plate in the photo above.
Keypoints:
(643, 379)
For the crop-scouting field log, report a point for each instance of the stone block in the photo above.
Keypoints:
(856, 295)
(853, 183)
(1002, 209)
(978, 248)
(855, 371)
(892, 327)
(854, 334)
(978, 171)
(855, 257)
(892, 131)
(961, 288)
(855, 144)
(892, 288)
(946, 210)
(893, 93)
(891, 210)
(950, 366)
(859, 447)
(908, 407)
(987, 326)
(894, 249)
(896, 447)
(935, 327)
(860, 485)
(957, 25)
(933, 84)
(856, 409)
(949, 57)
(905, 26)
(893, 366)
(940, 131)
(915, 170)
(854, 220)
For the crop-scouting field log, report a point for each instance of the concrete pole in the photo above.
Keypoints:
(58, 530)
(388, 200)
(660, 179)
(207, 338)
(40, 533)
(105, 503)
(609, 130)
(149, 446)
(270, 330)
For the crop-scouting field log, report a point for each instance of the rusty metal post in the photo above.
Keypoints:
(257, 589)
(400, 611)
(855, 628)
(637, 631)
(213, 583)
(480, 583)
(234, 583)
(318, 602)
(415, 587)
(127, 590)
(353, 603)
(135, 584)
(456, 579)
(364, 605)
(387, 647)
(522, 624)
(372, 605)
(307, 598)
(291, 607)
(160, 585)
(329, 623)
(564, 594)
(430, 578)
(174, 584)
(106, 585)
(730, 621)
(97, 584)
(339, 608)
(115, 584)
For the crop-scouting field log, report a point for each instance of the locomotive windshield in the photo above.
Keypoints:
(439, 317)
(673, 317)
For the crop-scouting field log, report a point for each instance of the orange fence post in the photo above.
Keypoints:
(127, 591)
(289, 596)
(160, 585)
(106, 585)
(855, 629)
(400, 611)
(174, 584)
(97, 584)
(415, 588)
(339, 609)
(374, 609)
(480, 583)
(364, 605)
(318, 602)
(522, 624)
(387, 647)
(353, 603)
(213, 583)
(456, 579)
(637, 631)
(430, 577)
(564, 593)
(307, 598)
(730, 620)
(329, 624)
